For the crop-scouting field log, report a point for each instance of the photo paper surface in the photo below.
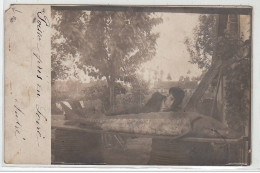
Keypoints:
(124, 85)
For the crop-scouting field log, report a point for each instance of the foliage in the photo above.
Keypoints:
(238, 77)
(134, 100)
(99, 90)
(139, 90)
(184, 79)
(169, 77)
(235, 57)
(69, 27)
(236, 70)
(110, 44)
(203, 43)
(121, 41)
(67, 90)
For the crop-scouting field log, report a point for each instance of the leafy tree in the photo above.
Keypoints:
(155, 75)
(99, 90)
(203, 43)
(195, 78)
(161, 74)
(181, 78)
(238, 77)
(110, 44)
(169, 77)
(140, 88)
(69, 27)
(187, 79)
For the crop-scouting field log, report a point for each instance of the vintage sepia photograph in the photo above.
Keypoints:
(135, 85)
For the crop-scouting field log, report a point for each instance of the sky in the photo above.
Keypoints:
(172, 56)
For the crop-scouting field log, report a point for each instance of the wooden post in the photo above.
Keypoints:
(203, 85)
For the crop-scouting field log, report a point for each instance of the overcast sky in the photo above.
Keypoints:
(172, 56)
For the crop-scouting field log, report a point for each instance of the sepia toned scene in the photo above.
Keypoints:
(151, 85)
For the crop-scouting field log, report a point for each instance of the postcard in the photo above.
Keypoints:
(128, 85)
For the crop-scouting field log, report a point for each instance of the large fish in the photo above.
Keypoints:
(159, 123)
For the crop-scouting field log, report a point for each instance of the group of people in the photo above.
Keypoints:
(162, 103)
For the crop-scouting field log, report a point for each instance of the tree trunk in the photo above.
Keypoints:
(111, 86)
(112, 95)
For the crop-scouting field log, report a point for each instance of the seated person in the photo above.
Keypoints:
(178, 95)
